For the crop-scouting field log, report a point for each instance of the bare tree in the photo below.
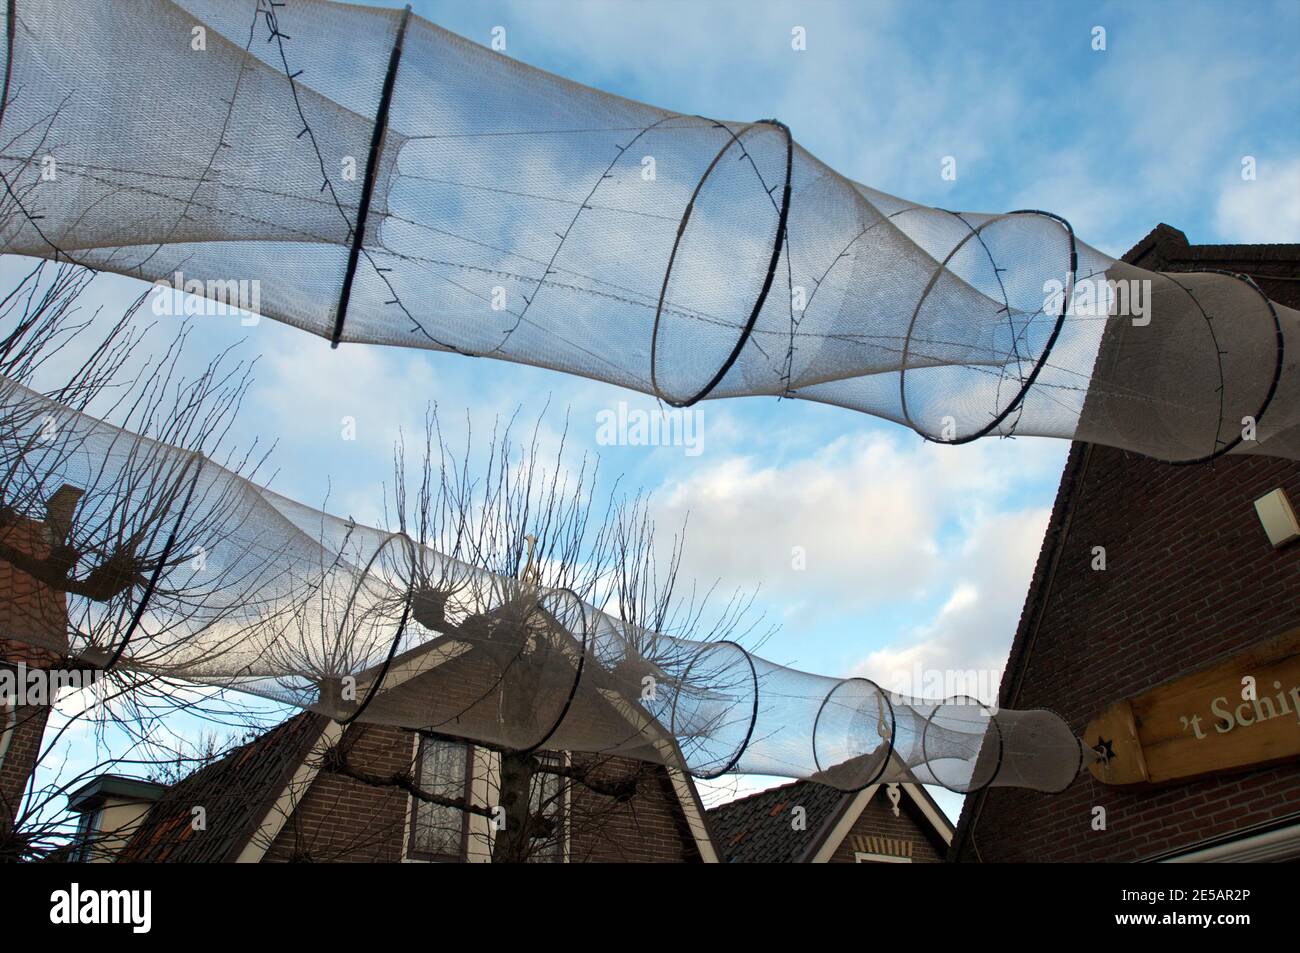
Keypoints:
(94, 521)
(528, 556)
(564, 605)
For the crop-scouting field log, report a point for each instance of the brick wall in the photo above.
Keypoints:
(30, 612)
(650, 828)
(1190, 578)
(20, 757)
(342, 820)
(877, 820)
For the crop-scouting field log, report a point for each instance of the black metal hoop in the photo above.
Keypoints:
(997, 768)
(889, 747)
(777, 244)
(753, 717)
(1038, 366)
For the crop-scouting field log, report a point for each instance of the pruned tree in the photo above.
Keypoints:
(91, 533)
(516, 557)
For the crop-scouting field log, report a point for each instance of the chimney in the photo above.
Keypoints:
(59, 510)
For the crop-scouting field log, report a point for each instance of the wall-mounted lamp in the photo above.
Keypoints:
(1278, 517)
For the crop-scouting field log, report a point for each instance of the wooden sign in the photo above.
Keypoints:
(1241, 713)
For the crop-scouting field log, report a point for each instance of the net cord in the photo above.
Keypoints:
(578, 669)
(997, 733)
(11, 13)
(753, 715)
(401, 625)
(1278, 364)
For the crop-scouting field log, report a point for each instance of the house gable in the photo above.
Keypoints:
(271, 801)
(877, 832)
(805, 822)
(233, 795)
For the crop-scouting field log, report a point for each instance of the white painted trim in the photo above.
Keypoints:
(566, 811)
(1275, 846)
(265, 833)
(693, 810)
(826, 850)
(687, 796)
(831, 842)
(862, 857)
(850, 817)
(934, 816)
(487, 779)
(415, 664)
(410, 805)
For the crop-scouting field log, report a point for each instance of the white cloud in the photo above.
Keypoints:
(1266, 209)
(963, 648)
(872, 516)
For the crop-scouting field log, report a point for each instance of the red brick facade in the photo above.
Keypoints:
(20, 756)
(877, 821)
(30, 611)
(341, 820)
(344, 820)
(1190, 578)
(650, 828)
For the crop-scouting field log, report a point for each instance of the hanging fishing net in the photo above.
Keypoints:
(165, 563)
(364, 175)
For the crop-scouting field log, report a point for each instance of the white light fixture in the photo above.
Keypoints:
(1278, 517)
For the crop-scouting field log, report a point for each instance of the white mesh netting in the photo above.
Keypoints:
(377, 179)
(170, 564)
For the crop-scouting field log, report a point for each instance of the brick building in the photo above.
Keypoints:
(270, 799)
(811, 823)
(275, 800)
(33, 627)
(1191, 578)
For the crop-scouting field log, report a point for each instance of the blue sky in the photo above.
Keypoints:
(916, 555)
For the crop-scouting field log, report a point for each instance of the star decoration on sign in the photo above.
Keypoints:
(1104, 750)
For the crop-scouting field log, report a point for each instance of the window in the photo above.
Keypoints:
(438, 832)
(547, 798)
(862, 857)
(87, 827)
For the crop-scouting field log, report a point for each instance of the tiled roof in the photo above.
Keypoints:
(235, 793)
(759, 829)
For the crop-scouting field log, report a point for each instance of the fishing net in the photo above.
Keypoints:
(169, 564)
(364, 175)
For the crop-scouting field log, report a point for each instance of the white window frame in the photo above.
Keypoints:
(566, 790)
(863, 857)
(408, 831)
